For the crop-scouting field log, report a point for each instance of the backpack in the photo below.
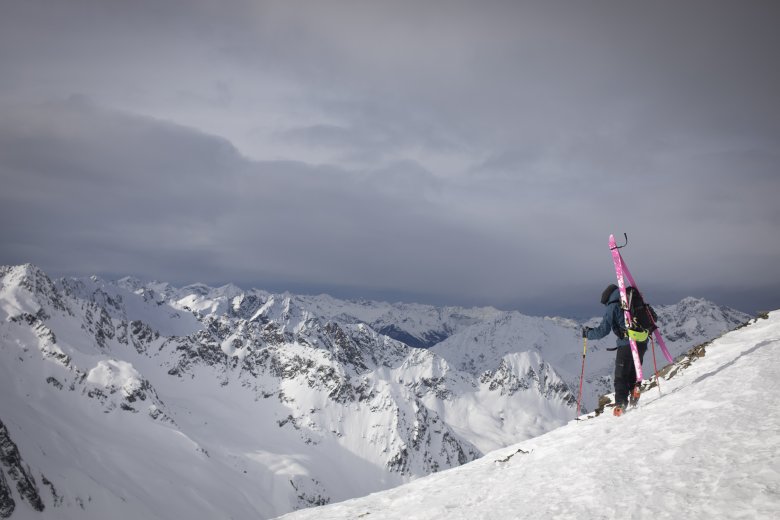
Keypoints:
(642, 315)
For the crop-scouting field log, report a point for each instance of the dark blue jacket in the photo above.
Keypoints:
(612, 315)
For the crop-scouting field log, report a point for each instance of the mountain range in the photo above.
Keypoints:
(129, 399)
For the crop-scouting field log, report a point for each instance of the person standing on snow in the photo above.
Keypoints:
(625, 374)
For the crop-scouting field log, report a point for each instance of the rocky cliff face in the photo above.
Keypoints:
(262, 403)
(19, 474)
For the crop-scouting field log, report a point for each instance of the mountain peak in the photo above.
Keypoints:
(694, 301)
(23, 290)
(19, 273)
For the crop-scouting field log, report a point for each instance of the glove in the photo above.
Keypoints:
(585, 331)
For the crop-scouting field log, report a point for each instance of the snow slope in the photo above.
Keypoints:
(708, 447)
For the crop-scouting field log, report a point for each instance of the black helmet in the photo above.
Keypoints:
(607, 293)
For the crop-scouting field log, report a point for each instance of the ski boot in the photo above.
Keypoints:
(618, 410)
(633, 398)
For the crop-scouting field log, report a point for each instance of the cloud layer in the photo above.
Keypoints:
(437, 151)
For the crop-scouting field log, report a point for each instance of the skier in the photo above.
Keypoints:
(625, 375)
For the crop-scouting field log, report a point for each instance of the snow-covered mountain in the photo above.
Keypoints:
(128, 399)
(707, 447)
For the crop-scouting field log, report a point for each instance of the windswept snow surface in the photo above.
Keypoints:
(708, 447)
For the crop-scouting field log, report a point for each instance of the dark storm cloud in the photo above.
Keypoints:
(451, 151)
(130, 194)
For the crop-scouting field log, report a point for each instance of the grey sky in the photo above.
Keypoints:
(474, 153)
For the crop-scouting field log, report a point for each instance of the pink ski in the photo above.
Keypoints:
(618, 261)
(656, 332)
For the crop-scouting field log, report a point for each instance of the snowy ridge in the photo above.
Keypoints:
(707, 448)
(473, 340)
(414, 324)
(302, 397)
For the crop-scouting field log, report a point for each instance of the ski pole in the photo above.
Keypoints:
(655, 367)
(582, 374)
